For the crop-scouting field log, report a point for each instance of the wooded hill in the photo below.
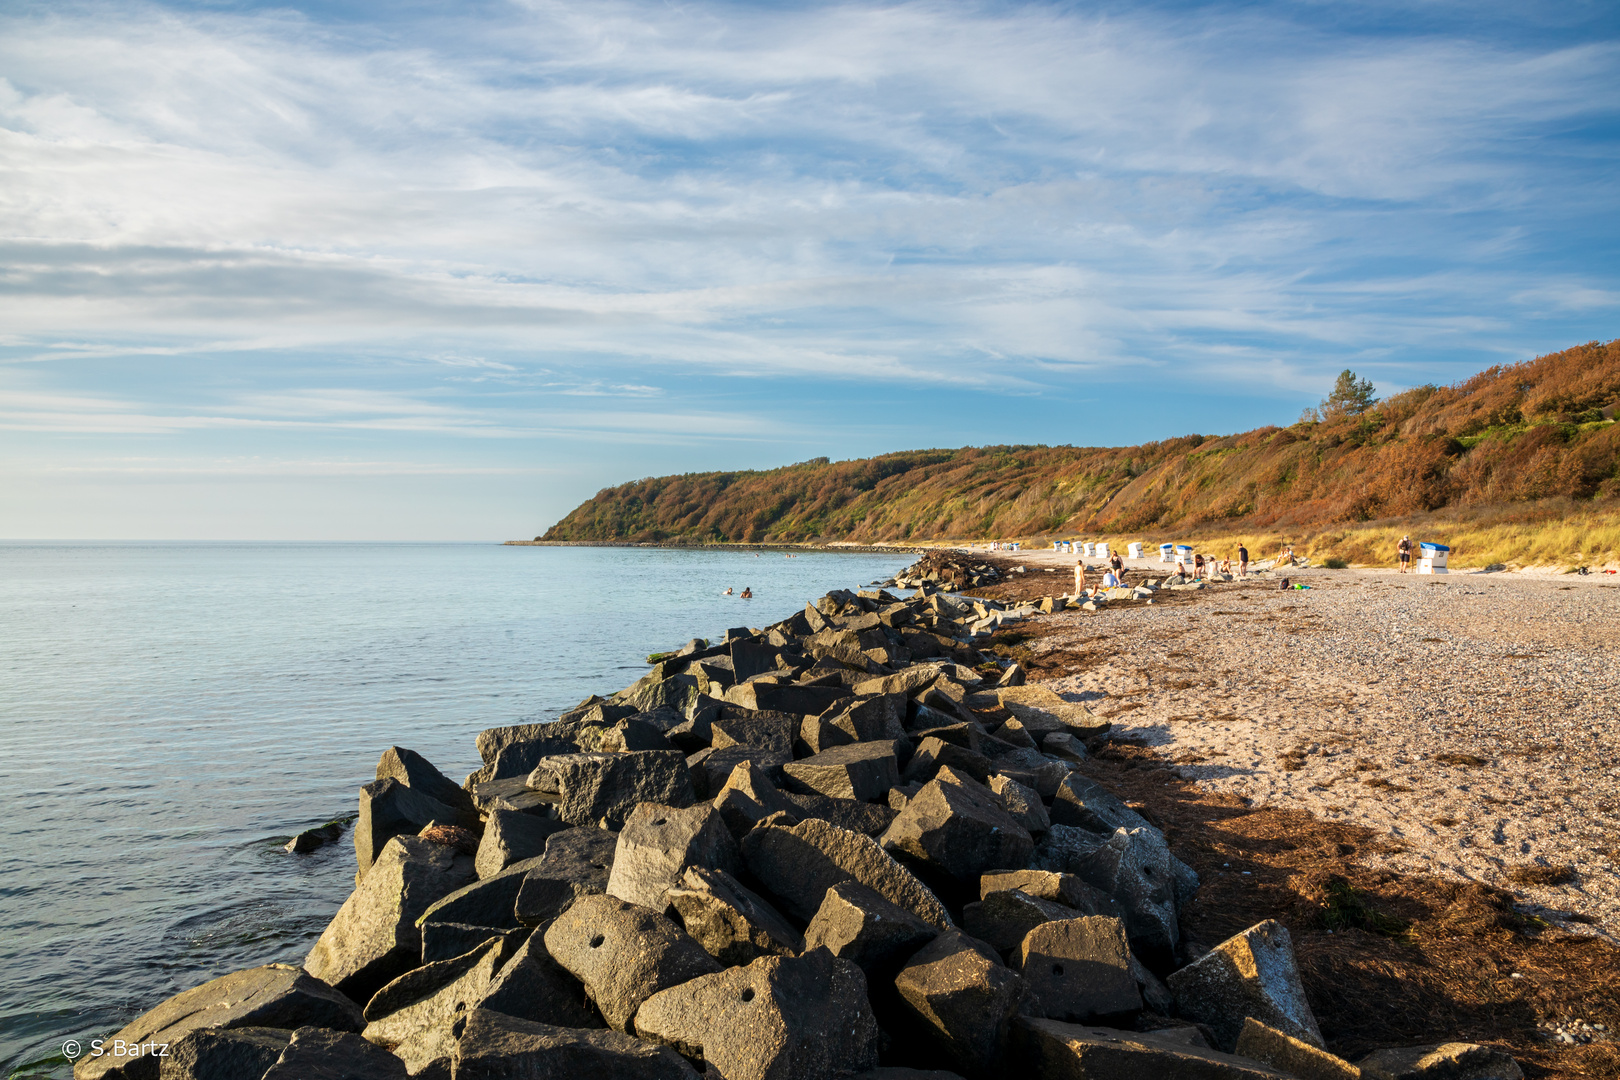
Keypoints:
(1538, 430)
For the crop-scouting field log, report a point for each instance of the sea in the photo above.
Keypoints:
(172, 713)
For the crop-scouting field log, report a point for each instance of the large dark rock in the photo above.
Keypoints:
(511, 837)
(492, 1046)
(601, 789)
(1133, 869)
(732, 923)
(857, 924)
(374, 938)
(1002, 919)
(388, 809)
(577, 862)
(934, 753)
(658, 844)
(318, 1054)
(779, 1018)
(961, 1000)
(958, 826)
(799, 864)
(1086, 804)
(634, 733)
(417, 773)
(415, 1015)
(1252, 974)
(1050, 885)
(1022, 802)
(774, 732)
(490, 901)
(1265, 1044)
(1079, 970)
(1053, 1050)
(748, 797)
(515, 795)
(785, 697)
(445, 941)
(624, 954)
(1439, 1061)
(859, 771)
(273, 996)
(223, 1054)
(870, 818)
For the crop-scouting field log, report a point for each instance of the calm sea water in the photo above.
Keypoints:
(170, 713)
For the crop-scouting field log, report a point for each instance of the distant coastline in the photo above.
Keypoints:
(832, 545)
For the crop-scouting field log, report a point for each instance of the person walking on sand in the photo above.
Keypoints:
(1404, 549)
(1243, 561)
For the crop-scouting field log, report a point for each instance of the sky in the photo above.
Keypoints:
(411, 271)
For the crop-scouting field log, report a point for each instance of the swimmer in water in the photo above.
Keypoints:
(727, 592)
(747, 593)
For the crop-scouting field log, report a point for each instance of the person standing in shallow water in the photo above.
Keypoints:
(746, 594)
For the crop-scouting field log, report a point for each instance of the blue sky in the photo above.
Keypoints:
(441, 271)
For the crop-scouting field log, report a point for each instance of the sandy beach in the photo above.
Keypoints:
(1470, 718)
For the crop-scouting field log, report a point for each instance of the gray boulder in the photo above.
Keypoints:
(319, 1054)
(859, 771)
(417, 773)
(1265, 1044)
(1079, 970)
(1251, 974)
(1086, 804)
(1003, 919)
(774, 732)
(733, 924)
(869, 719)
(961, 999)
(577, 862)
(1133, 869)
(624, 954)
(934, 753)
(388, 809)
(748, 797)
(1052, 1049)
(657, 845)
(1022, 803)
(374, 938)
(493, 1046)
(634, 733)
(871, 818)
(272, 996)
(490, 901)
(601, 789)
(779, 1018)
(855, 923)
(960, 828)
(446, 941)
(223, 1054)
(799, 864)
(511, 837)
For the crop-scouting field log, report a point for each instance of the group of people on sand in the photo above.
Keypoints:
(746, 594)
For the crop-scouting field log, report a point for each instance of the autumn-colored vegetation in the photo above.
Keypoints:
(1532, 443)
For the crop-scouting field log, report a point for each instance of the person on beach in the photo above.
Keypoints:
(747, 593)
(1226, 567)
(1079, 577)
(1404, 549)
(1243, 561)
(1117, 563)
(1198, 566)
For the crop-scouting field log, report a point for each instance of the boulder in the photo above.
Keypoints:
(774, 732)
(1002, 919)
(1022, 803)
(490, 901)
(1059, 888)
(711, 768)
(312, 839)
(446, 940)
(493, 1046)
(1265, 1044)
(511, 837)
(272, 996)
(1079, 970)
(319, 1054)
(1014, 732)
(1133, 869)
(634, 733)
(657, 845)
(799, 864)
(1440, 1061)
(577, 862)
(374, 938)
(871, 818)
(857, 924)
(786, 697)
(779, 1018)
(1249, 974)
(869, 719)
(961, 999)
(516, 795)
(388, 809)
(859, 771)
(733, 924)
(415, 1015)
(1088, 805)
(601, 789)
(1061, 744)
(223, 1054)
(959, 828)
(1054, 1050)
(748, 797)
(417, 773)
(624, 954)
(933, 753)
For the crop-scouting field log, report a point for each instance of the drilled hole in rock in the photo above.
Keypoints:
(1057, 969)
(748, 993)
(661, 821)
(596, 942)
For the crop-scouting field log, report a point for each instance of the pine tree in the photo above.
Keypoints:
(1350, 397)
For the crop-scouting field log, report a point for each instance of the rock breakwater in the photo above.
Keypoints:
(847, 844)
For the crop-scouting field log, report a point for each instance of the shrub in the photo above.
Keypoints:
(1333, 562)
